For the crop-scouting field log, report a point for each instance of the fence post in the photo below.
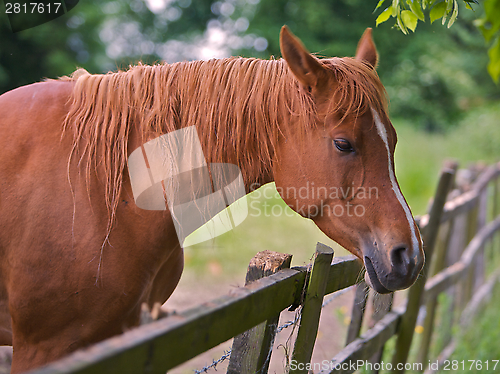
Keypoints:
(495, 246)
(311, 309)
(358, 312)
(408, 320)
(482, 220)
(438, 264)
(381, 306)
(251, 351)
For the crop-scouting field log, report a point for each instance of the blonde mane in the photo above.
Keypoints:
(239, 106)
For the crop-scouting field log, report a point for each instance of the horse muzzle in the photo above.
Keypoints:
(394, 270)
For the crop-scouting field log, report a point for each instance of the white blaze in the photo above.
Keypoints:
(383, 134)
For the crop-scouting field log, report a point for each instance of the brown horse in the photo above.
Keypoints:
(78, 257)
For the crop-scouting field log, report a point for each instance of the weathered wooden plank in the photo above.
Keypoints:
(266, 263)
(438, 263)
(455, 249)
(358, 312)
(344, 272)
(455, 272)
(442, 245)
(367, 345)
(471, 198)
(157, 345)
(409, 319)
(251, 350)
(161, 345)
(459, 205)
(311, 310)
(381, 306)
(478, 241)
(495, 245)
(480, 297)
(443, 280)
(466, 201)
(490, 173)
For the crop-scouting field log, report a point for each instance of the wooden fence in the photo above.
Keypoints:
(459, 226)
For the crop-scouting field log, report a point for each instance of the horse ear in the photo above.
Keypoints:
(306, 68)
(366, 49)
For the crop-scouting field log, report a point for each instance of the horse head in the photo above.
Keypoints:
(339, 170)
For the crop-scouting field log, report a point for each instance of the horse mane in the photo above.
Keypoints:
(239, 106)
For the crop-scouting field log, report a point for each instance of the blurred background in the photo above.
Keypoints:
(443, 103)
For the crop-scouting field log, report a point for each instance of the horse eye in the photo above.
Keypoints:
(343, 145)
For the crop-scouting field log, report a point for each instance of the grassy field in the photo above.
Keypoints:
(478, 350)
(420, 155)
(270, 225)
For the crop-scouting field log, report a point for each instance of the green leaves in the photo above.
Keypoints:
(494, 64)
(490, 27)
(384, 16)
(409, 12)
(379, 5)
(409, 19)
(437, 11)
(454, 15)
(490, 24)
(416, 9)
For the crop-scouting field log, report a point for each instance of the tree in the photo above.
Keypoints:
(408, 14)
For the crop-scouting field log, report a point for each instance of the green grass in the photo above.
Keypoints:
(420, 155)
(270, 225)
(479, 342)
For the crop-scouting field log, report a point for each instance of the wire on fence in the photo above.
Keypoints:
(214, 364)
(227, 354)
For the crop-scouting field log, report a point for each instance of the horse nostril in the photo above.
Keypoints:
(400, 258)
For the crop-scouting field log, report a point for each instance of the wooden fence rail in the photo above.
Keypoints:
(166, 343)
(170, 341)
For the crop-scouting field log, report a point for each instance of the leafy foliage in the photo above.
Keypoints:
(490, 27)
(408, 14)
